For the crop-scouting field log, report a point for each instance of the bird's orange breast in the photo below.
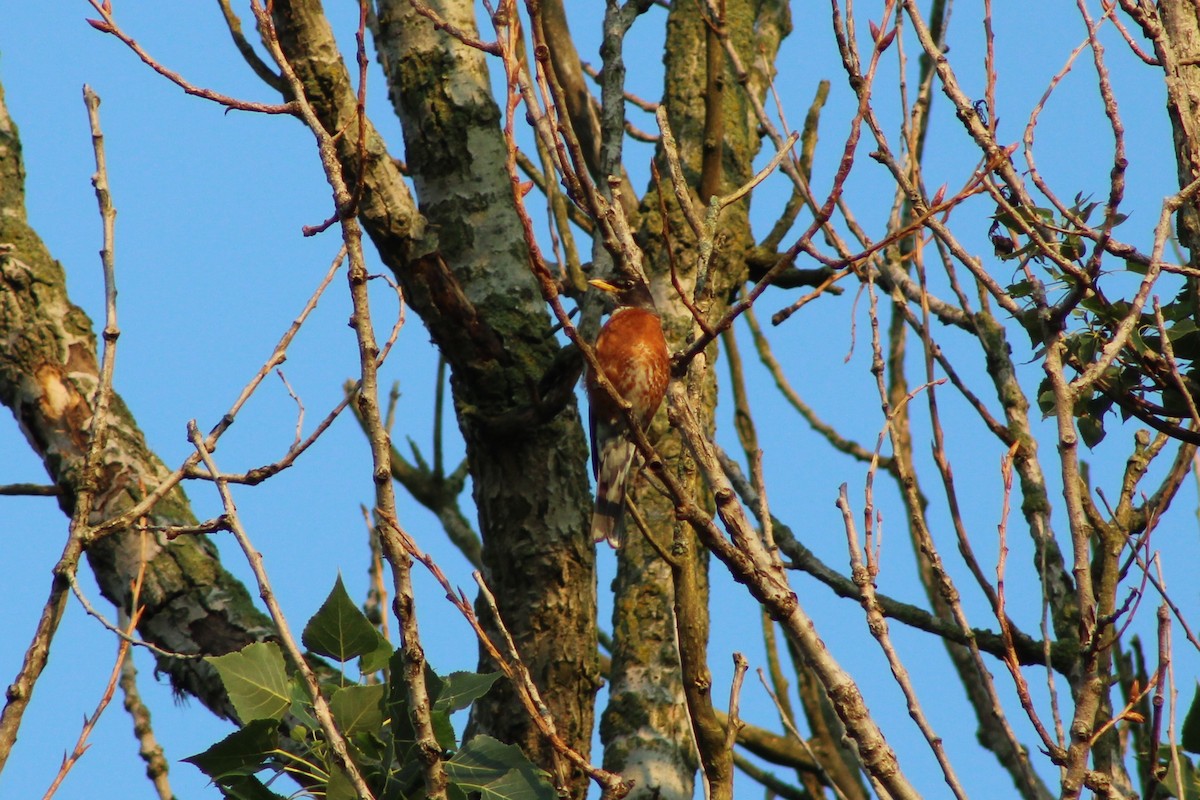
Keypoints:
(633, 352)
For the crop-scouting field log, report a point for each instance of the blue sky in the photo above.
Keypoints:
(211, 269)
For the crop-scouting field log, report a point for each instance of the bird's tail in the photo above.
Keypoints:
(608, 523)
(608, 519)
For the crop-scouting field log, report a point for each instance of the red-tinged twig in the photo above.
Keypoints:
(413, 664)
(268, 76)
(299, 409)
(790, 727)
(639, 135)
(257, 475)
(610, 222)
(679, 184)
(973, 671)
(279, 354)
(118, 630)
(377, 598)
(107, 24)
(491, 48)
(761, 569)
(835, 439)
(733, 722)
(1109, 8)
(260, 474)
(81, 745)
(942, 461)
(28, 490)
(1128, 713)
(975, 185)
(940, 580)
(1173, 365)
(649, 106)
(989, 68)
(282, 629)
(864, 572)
(1161, 673)
(684, 296)
(1161, 588)
(1126, 326)
(1054, 747)
(89, 723)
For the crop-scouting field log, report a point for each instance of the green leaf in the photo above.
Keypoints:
(454, 792)
(1071, 248)
(1092, 430)
(255, 679)
(1188, 790)
(358, 708)
(339, 629)
(1137, 342)
(1092, 302)
(248, 787)
(1046, 400)
(301, 707)
(378, 658)
(463, 688)
(243, 752)
(1021, 289)
(404, 735)
(1189, 738)
(1181, 329)
(498, 772)
(443, 729)
(339, 786)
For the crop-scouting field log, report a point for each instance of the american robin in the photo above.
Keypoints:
(633, 353)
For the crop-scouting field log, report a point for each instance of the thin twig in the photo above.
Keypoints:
(28, 490)
(282, 629)
(109, 25)
(89, 723)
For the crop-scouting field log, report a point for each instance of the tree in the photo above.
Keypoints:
(1009, 288)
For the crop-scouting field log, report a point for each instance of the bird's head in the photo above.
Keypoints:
(627, 290)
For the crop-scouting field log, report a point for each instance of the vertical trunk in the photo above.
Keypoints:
(646, 730)
(1176, 36)
(467, 275)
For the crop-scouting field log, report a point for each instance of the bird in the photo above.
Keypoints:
(632, 352)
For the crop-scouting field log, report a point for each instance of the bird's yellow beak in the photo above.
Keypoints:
(600, 283)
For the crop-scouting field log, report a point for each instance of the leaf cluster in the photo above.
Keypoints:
(1155, 380)
(280, 731)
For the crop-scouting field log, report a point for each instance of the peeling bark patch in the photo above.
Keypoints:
(55, 395)
(61, 405)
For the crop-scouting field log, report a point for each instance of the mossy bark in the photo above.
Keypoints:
(463, 263)
(647, 730)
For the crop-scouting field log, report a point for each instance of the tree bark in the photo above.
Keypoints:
(464, 266)
(660, 614)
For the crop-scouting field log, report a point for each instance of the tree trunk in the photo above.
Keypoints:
(464, 267)
(662, 612)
